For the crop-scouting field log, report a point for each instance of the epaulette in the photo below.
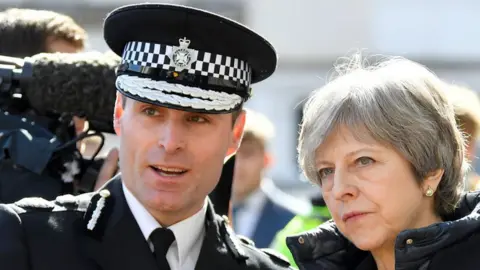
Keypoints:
(276, 256)
(61, 203)
(66, 200)
(70, 202)
(32, 203)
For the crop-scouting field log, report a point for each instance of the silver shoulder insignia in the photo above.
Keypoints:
(98, 210)
(66, 199)
(35, 202)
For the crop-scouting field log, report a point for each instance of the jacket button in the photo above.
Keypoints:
(301, 240)
(409, 241)
(105, 193)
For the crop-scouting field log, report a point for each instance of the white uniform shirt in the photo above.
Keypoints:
(189, 233)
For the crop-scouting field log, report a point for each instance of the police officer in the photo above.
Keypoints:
(184, 76)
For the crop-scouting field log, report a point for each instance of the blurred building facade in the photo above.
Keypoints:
(310, 35)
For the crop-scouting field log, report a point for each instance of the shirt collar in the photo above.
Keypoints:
(187, 232)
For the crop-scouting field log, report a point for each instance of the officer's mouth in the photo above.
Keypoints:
(168, 171)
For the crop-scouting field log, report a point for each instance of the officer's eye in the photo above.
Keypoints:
(150, 111)
(197, 119)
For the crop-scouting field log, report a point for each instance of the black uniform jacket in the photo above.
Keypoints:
(47, 235)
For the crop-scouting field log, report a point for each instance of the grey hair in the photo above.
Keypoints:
(398, 103)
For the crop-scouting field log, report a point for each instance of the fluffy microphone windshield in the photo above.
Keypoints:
(81, 84)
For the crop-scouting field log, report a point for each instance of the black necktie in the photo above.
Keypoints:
(161, 239)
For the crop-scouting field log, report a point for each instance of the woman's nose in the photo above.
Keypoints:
(344, 186)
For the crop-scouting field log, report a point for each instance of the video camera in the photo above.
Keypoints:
(39, 96)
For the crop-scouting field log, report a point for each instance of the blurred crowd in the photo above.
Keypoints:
(284, 224)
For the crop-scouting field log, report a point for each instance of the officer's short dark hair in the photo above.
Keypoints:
(24, 32)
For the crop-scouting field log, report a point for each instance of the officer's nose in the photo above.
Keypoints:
(172, 136)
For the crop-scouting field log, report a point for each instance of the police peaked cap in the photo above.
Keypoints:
(186, 58)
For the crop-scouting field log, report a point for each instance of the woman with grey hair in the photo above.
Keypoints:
(382, 143)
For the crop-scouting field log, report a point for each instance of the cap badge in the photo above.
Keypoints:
(182, 56)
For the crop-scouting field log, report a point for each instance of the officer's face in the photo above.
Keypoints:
(170, 159)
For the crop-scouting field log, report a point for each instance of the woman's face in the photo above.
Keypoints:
(370, 190)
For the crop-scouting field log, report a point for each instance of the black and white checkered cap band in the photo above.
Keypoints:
(183, 59)
(206, 64)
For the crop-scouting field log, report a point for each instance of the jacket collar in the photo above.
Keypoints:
(325, 246)
(116, 241)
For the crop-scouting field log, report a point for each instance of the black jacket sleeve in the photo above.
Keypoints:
(13, 249)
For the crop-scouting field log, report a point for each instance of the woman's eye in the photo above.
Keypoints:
(324, 173)
(364, 161)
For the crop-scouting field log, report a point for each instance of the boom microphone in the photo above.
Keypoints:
(81, 84)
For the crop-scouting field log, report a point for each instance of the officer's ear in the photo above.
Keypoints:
(238, 128)
(120, 103)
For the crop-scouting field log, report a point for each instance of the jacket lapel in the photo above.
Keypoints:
(116, 242)
(219, 249)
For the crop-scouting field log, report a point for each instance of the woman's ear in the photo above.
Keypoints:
(432, 180)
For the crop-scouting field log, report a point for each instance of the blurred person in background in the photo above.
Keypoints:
(382, 143)
(260, 209)
(466, 104)
(26, 32)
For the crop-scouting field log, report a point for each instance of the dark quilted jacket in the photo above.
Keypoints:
(453, 244)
